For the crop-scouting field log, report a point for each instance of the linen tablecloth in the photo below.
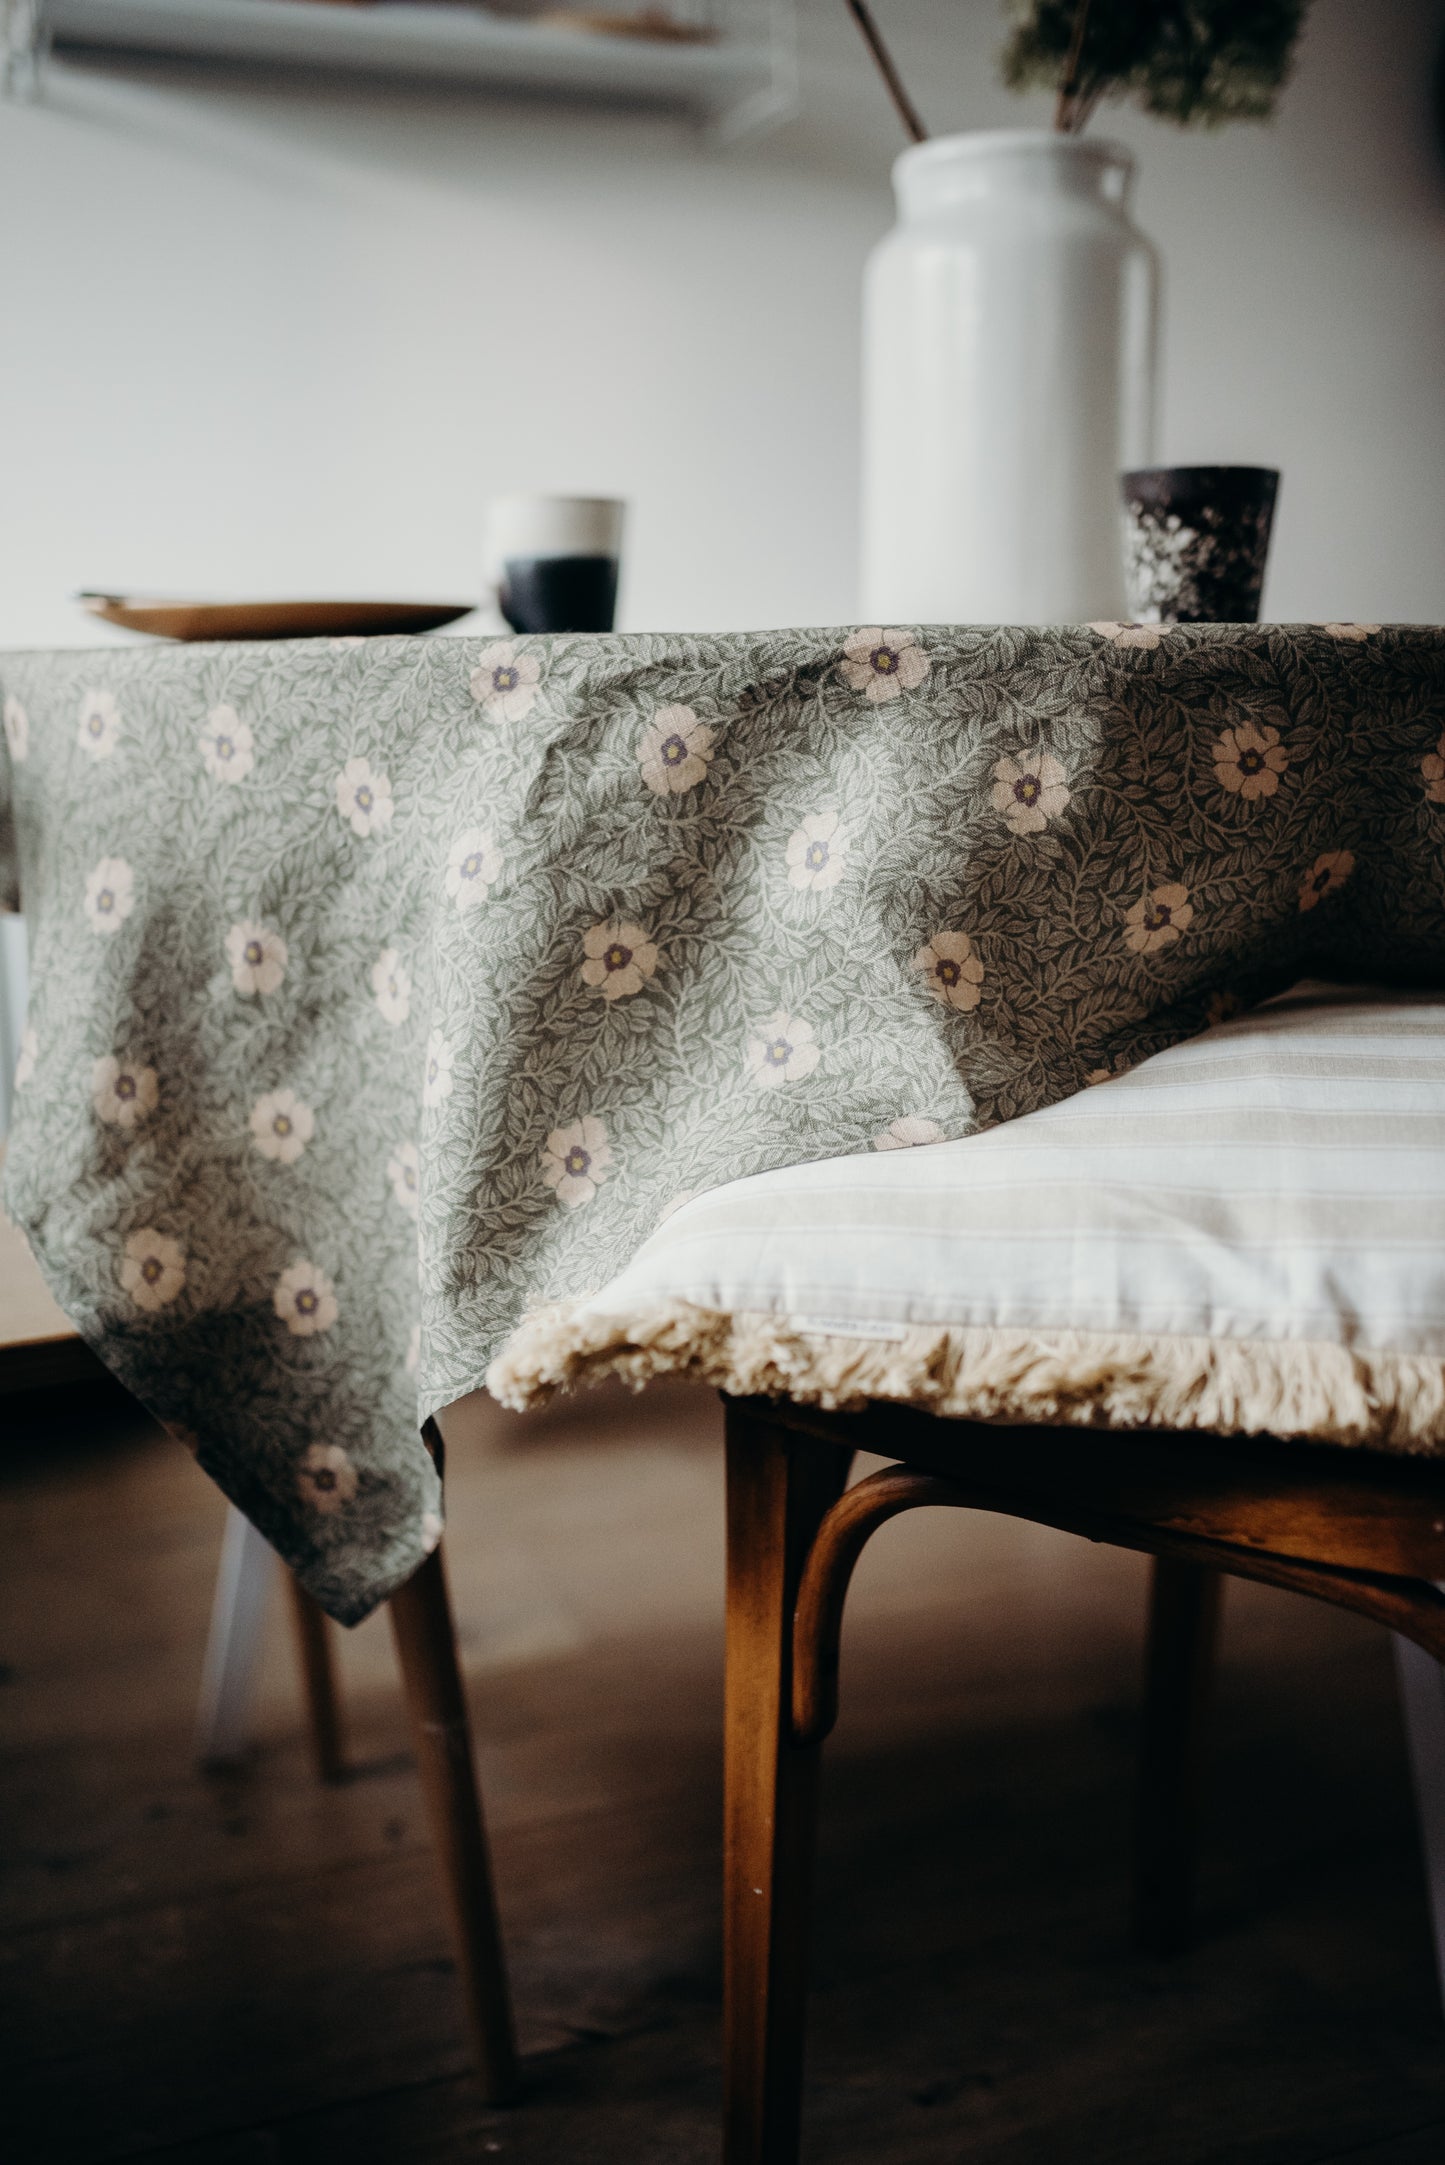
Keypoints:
(386, 990)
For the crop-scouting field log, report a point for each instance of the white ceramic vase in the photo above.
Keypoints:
(1008, 380)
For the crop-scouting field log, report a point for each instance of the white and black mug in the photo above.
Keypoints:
(553, 561)
(1195, 542)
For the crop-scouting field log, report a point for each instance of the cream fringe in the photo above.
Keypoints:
(1229, 1386)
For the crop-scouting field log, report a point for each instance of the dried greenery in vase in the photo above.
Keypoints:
(1195, 62)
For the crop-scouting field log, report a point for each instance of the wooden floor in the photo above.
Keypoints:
(253, 1970)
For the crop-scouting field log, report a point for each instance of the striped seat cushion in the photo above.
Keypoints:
(1246, 1234)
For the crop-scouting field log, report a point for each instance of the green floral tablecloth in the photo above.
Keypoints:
(383, 990)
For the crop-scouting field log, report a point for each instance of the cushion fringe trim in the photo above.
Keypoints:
(1312, 1390)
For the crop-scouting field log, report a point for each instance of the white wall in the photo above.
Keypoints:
(280, 341)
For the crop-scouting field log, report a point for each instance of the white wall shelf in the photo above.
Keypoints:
(737, 82)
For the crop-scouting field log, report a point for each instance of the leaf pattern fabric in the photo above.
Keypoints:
(383, 991)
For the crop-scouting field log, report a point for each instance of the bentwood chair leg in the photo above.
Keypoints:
(1179, 1665)
(1422, 1699)
(421, 1620)
(779, 1488)
(315, 1652)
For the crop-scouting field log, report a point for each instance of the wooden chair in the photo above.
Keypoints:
(1245, 1233)
(41, 1353)
(1362, 1530)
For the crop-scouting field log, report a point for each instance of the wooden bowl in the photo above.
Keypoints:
(165, 619)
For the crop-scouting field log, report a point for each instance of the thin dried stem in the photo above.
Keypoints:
(907, 111)
(1070, 112)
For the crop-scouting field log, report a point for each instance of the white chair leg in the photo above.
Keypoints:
(1422, 1699)
(223, 1720)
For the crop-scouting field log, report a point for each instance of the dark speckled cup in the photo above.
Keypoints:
(1195, 542)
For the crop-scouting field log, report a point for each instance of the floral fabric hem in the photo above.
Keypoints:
(387, 990)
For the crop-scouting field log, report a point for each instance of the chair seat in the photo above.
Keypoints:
(1246, 1234)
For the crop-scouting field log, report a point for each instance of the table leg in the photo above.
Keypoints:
(315, 1650)
(421, 1620)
